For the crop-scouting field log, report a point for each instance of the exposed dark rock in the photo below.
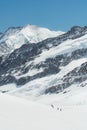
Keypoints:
(7, 80)
(22, 81)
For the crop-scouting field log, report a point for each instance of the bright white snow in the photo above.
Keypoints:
(20, 114)
(35, 34)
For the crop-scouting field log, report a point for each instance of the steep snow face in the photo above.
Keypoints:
(11, 40)
(14, 38)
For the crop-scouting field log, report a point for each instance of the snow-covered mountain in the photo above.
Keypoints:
(51, 71)
(15, 37)
(48, 67)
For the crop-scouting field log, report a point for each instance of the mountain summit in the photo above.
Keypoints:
(15, 37)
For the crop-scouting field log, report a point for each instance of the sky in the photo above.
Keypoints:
(52, 14)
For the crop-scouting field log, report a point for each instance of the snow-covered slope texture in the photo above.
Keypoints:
(50, 66)
(14, 37)
(19, 114)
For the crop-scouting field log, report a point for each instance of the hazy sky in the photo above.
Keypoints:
(53, 14)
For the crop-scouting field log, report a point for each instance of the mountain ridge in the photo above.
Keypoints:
(15, 37)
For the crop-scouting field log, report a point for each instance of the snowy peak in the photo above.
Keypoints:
(36, 34)
(15, 37)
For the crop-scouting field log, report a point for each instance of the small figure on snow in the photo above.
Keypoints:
(52, 105)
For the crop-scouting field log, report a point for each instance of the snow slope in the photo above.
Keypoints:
(20, 114)
(67, 46)
(75, 95)
(37, 87)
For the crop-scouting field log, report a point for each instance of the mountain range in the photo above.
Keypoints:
(35, 61)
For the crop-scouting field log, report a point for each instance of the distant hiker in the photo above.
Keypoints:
(57, 108)
(60, 109)
(52, 105)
